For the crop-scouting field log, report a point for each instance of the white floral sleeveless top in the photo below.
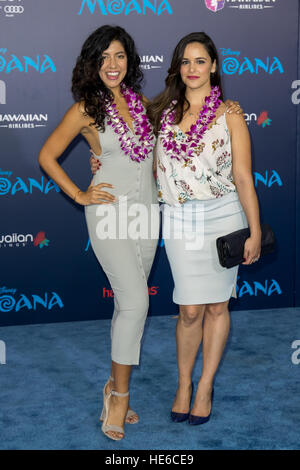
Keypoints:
(206, 175)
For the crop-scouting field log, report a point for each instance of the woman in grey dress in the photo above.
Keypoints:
(109, 112)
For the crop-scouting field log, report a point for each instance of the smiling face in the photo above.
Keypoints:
(114, 67)
(196, 66)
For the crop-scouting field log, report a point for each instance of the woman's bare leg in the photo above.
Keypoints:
(118, 406)
(188, 337)
(215, 333)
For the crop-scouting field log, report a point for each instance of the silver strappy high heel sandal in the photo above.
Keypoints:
(130, 413)
(106, 428)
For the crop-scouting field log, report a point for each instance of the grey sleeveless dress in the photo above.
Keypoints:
(126, 256)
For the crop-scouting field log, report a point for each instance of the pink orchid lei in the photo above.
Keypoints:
(140, 146)
(183, 150)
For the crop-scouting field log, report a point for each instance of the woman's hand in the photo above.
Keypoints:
(252, 250)
(95, 164)
(233, 107)
(95, 195)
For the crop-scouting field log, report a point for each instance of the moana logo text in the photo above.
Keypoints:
(117, 7)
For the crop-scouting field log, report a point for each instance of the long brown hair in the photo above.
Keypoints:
(175, 88)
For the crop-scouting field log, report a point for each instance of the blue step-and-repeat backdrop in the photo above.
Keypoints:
(48, 270)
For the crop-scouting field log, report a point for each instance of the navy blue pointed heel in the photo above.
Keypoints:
(180, 417)
(195, 420)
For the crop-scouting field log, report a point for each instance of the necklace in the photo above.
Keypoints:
(140, 145)
(185, 149)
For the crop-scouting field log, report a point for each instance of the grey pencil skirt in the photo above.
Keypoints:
(127, 263)
(190, 232)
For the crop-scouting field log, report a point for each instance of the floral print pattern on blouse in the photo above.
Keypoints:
(206, 175)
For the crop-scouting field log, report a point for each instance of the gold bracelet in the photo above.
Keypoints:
(79, 191)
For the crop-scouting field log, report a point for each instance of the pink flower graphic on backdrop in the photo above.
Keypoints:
(215, 5)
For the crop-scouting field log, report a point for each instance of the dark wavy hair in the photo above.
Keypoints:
(87, 86)
(175, 88)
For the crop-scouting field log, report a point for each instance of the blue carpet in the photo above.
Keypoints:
(51, 387)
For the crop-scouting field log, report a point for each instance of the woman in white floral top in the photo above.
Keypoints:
(206, 188)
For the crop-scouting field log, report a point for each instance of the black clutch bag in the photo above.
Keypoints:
(231, 247)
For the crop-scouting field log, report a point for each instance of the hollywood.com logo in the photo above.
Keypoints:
(109, 293)
(118, 7)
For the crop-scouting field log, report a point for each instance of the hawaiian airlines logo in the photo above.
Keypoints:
(23, 121)
(117, 7)
(151, 62)
(41, 240)
(251, 4)
(263, 119)
(215, 5)
(16, 240)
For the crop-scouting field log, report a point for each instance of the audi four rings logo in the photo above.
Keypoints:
(13, 9)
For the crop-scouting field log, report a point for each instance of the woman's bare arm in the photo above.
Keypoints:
(243, 179)
(71, 125)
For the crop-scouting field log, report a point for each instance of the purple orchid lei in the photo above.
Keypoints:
(184, 150)
(140, 146)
